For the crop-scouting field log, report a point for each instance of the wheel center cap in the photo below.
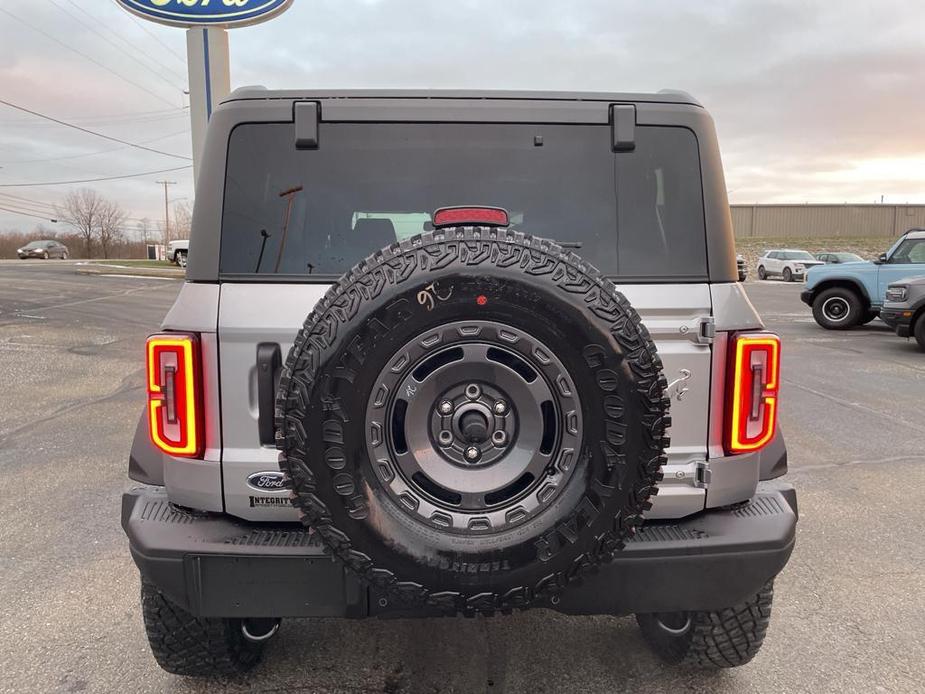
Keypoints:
(473, 426)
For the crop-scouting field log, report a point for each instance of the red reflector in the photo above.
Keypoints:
(752, 391)
(471, 216)
(174, 405)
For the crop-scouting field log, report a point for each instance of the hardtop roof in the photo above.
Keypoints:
(664, 96)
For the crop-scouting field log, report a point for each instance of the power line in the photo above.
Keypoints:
(153, 36)
(25, 214)
(22, 199)
(115, 118)
(93, 154)
(30, 206)
(114, 45)
(49, 208)
(93, 180)
(92, 132)
(84, 55)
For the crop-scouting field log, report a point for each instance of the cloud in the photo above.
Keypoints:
(804, 94)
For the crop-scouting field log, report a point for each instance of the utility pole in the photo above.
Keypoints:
(166, 213)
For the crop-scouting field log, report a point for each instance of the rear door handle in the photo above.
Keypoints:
(268, 368)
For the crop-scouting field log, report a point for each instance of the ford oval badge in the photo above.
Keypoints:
(267, 481)
(189, 13)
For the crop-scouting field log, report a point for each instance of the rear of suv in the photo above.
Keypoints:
(393, 383)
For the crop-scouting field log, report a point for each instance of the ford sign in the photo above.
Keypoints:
(267, 481)
(190, 13)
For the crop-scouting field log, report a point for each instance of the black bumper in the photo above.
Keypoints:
(898, 320)
(807, 296)
(214, 565)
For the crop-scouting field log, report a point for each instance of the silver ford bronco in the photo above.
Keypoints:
(426, 361)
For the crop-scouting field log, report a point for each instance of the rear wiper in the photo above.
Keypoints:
(263, 246)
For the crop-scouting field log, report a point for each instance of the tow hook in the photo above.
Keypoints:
(258, 630)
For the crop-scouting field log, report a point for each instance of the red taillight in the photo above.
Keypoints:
(471, 216)
(751, 389)
(174, 402)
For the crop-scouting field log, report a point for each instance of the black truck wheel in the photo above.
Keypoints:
(837, 308)
(471, 418)
(918, 331)
(720, 639)
(200, 646)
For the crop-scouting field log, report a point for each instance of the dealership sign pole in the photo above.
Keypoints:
(207, 57)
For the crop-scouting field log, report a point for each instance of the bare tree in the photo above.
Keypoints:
(182, 221)
(110, 226)
(144, 226)
(81, 210)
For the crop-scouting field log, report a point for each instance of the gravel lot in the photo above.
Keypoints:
(848, 614)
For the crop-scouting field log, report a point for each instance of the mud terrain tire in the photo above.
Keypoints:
(451, 292)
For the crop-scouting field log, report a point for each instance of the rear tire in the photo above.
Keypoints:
(868, 317)
(788, 276)
(837, 308)
(762, 273)
(195, 646)
(721, 639)
(919, 331)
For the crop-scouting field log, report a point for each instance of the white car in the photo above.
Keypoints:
(788, 263)
(177, 251)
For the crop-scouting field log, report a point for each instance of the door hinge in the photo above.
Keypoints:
(695, 474)
(701, 332)
(706, 331)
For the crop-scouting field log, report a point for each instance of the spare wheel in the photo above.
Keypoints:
(471, 418)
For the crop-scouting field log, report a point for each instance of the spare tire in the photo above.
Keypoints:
(471, 418)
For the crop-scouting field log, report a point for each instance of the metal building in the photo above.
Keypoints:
(825, 221)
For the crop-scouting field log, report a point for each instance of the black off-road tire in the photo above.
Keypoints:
(788, 275)
(850, 308)
(918, 330)
(500, 278)
(194, 646)
(762, 273)
(722, 639)
(868, 317)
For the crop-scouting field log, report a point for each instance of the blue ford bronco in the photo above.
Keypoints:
(844, 295)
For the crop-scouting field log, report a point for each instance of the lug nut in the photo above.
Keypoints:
(473, 391)
(500, 407)
(472, 454)
(445, 407)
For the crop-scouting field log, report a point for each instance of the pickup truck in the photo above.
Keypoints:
(848, 294)
(177, 251)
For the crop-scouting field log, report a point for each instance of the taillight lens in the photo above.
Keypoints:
(752, 391)
(174, 394)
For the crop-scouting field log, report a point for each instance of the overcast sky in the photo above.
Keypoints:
(813, 101)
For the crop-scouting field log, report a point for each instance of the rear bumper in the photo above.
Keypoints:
(214, 565)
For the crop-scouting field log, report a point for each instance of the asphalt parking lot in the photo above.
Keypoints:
(848, 610)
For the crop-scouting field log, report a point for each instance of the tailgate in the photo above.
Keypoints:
(252, 314)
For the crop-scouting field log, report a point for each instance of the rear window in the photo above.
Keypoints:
(315, 213)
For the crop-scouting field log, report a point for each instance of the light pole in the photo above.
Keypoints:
(166, 213)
